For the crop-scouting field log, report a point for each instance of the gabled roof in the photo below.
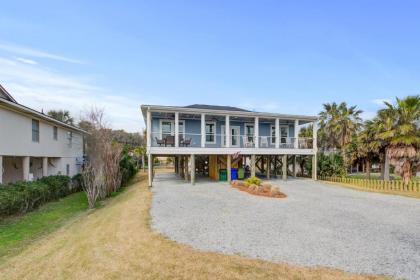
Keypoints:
(216, 107)
(8, 101)
(5, 95)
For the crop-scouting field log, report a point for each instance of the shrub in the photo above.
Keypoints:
(331, 165)
(253, 181)
(128, 167)
(23, 197)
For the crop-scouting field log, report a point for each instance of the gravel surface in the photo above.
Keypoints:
(317, 224)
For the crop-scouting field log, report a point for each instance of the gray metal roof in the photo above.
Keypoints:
(216, 107)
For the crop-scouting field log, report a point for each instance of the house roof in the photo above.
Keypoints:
(216, 107)
(222, 110)
(6, 95)
(8, 101)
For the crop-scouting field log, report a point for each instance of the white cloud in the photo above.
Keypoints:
(381, 101)
(25, 51)
(368, 115)
(25, 60)
(45, 89)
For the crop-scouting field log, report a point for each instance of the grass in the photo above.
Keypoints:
(116, 242)
(18, 231)
(377, 176)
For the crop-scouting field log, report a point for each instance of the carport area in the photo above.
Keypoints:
(316, 225)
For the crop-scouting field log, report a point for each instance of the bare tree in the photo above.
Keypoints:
(102, 175)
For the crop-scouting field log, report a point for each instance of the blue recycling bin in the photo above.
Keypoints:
(234, 173)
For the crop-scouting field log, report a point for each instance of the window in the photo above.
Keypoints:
(35, 131)
(55, 133)
(70, 138)
(284, 134)
(211, 132)
(249, 132)
(167, 128)
(273, 134)
(68, 169)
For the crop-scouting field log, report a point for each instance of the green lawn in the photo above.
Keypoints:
(377, 176)
(18, 231)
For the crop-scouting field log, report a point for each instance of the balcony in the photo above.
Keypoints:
(194, 140)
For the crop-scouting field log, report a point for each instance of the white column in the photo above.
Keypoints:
(149, 168)
(296, 143)
(257, 132)
(193, 169)
(294, 166)
(203, 130)
(315, 136)
(1, 169)
(252, 165)
(277, 128)
(149, 129)
(227, 132)
(314, 166)
(44, 166)
(228, 167)
(25, 168)
(176, 129)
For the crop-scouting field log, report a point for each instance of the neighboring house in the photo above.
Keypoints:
(33, 145)
(223, 137)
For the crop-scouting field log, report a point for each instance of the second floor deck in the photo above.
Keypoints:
(210, 131)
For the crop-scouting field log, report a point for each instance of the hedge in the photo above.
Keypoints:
(22, 197)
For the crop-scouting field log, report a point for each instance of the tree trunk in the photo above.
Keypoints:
(368, 168)
(406, 172)
(382, 170)
(386, 166)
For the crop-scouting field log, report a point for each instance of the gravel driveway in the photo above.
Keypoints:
(317, 224)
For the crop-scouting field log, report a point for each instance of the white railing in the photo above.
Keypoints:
(236, 141)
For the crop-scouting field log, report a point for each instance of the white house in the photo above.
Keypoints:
(33, 145)
(212, 139)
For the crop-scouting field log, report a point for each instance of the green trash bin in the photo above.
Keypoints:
(222, 175)
(241, 173)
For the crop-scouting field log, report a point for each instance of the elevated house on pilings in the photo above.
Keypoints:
(216, 141)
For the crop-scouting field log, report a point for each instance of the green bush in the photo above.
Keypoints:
(253, 181)
(128, 167)
(331, 165)
(23, 197)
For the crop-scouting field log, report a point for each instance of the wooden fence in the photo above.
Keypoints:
(372, 184)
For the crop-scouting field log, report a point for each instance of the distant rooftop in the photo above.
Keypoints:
(216, 107)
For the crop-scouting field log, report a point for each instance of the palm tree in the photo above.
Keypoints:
(140, 151)
(368, 145)
(401, 131)
(338, 124)
(62, 116)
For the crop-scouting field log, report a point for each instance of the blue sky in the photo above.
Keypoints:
(280, 56)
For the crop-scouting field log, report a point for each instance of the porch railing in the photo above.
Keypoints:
(236, 141)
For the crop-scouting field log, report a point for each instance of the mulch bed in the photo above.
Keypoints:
(263, 190)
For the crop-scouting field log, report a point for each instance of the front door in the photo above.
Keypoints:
(235, 132)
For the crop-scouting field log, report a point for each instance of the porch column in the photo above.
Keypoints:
(284, 167)
(268, 167)
(1, 169)
(227, 132)
(149, 169)
(25, 168)
(314, 166)
(296, 143)
(148, 129)
(294, 166)
(203, 130)
(257, 132)
(193, 169)
(277, 130)
(176, 129)
(44, 167)
(228, 167)
(315, 136)
(252, 165)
